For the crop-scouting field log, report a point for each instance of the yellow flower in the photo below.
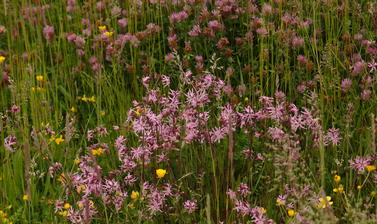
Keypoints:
(339, 190)
(102, 28)
(246, 99)
(2, 59)
(80, 188)
(97, 152)
(76, 161)
(25, 197)
(373, 193)
(59, 140)
(91, 203)
(337, 178)
(291, 212)
(39, 78)
(73, 109)
(84, 98)
(134, 195)
(62, 178)
(137, 112)
(67, 205)
(5, 220)
(109, 34)
(359, 187)
(279, 202)
(370, 168)
(262, 210)
(160, 173)
(64, 213)
(92, 99)
(9, 207)
(2, 213)
(324, 202)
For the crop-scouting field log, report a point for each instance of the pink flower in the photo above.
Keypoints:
(10, 142)
(332, 137)
(190, 206)
(123, 22)
(358, 67)
(178, 17)
(195, 31)
(346, 84)
(49, 34)
(298, 42)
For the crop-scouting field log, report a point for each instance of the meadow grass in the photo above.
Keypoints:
(77, 75)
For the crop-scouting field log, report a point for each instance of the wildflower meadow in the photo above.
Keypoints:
(188, 111)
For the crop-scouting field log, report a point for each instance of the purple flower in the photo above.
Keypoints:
(190, 206)
(366, 94)
(15, 109)
(215, 25)
(195, 31)
(231, 194)
(298, 42)
(123, 22)
(9, 143)
(262, 31)
(358, 67)
(178, 17)
(242, 207)
(243, 190)
(346, 84)
(54, 168)
(332, 137)
(359, 163)
(372, 66)
(48, 33)
(217, 134)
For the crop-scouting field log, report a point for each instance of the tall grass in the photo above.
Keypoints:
(100, 81)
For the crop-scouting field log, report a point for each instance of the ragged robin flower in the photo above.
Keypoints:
(325, 202)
